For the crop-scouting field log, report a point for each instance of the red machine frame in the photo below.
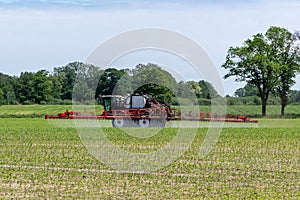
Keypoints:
(137, 114)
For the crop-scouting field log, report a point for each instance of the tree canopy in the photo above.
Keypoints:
(153, 80)
(246, 91)
(265, 61)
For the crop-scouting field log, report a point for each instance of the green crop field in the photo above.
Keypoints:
(29, 111)
(39, 160)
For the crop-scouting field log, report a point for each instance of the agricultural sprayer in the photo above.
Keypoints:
(144, 111)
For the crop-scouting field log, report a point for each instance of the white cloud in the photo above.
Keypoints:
(34, 38)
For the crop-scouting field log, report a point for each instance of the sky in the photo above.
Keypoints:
(42, 34)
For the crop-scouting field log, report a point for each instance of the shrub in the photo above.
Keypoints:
(67, 102)
(204, 102)
(43, 103)
(28, 102)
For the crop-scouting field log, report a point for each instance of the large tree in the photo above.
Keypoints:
(34, 87)
(195, 88)
(207, 90)
(246, 91)
(25, 89)
(85, 86)
(67, 75)
(184, 90)
(153, 80)
(109, 82)
(286, 51)
(7, 86)
(256, 62)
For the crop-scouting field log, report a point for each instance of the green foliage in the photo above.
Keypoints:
(151, 79)
(7, 93)
(25, 87)
(265, 61)
(124, 84)
(87, 79)
(56, 90)
(109, 82)
(1, 96)
(82, 93)
(34, 87)
(204, 102)
(195, 88)
(196, 93)
(184, 102)
(207, 90)
(184, 90)
(152, 73)
(295, 96)
(42, 87)
(159, 92)
(67, 77)
(250, 100)
(287, 53)
(248, 90)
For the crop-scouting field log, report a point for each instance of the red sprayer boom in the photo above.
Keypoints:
(144, 111)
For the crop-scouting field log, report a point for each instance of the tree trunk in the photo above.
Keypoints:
(263, 107)
(284, 102)
(282, 110)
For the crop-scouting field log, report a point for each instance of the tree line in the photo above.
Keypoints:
(57, 87)
(88, 83)
(249, 95)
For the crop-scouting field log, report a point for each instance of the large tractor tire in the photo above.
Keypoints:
(118, 123)
(144, 123)
(158, 123)
(131, 123)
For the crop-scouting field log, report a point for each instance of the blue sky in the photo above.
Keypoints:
(46, 34)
